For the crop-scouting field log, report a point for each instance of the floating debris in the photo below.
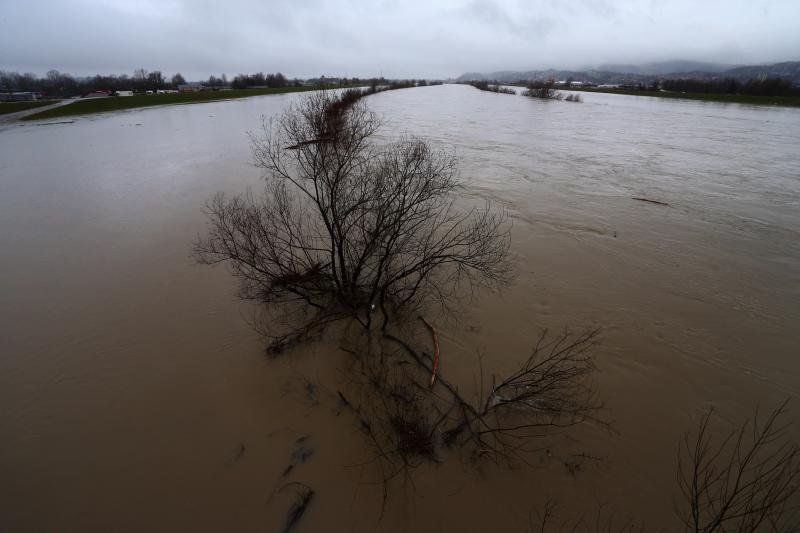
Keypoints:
(435, 367)
(304, 494)
(300, 454)
(306, 143)
(236, 456)
(649, 201)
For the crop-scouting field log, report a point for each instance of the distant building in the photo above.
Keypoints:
(17, 97)
(191, 87)
(576, 84)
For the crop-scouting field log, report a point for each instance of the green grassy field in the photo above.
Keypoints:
(13, 107)
(793, 101)
(118, 103)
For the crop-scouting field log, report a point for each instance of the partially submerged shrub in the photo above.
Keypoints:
(572, 97)
(543, 89)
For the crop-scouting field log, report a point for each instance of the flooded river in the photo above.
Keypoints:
(134, 396)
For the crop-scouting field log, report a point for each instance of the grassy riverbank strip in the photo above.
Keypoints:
(90, 106)
(14, 107)
(790, 101)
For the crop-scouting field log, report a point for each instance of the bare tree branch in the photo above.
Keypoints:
(745, 481)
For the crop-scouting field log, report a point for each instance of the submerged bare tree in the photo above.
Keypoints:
(746, 481)
(347, 227)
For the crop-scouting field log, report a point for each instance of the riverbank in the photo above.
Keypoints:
(786, 101)
(16, 107)
(91, 106)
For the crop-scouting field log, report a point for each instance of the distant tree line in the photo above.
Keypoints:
(259, 79)
(755, 87)
(60, 84)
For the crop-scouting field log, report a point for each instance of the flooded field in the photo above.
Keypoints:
(134, 395)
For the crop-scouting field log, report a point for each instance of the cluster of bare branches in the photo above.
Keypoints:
(547, 519)
(411, 419)
(552, 389)
(396, 412)
(348, 228)
(747, 481)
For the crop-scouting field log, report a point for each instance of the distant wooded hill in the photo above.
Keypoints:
(621, 74)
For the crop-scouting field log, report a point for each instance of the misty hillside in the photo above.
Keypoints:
(648, 72)
(667, 67)
(789, 70)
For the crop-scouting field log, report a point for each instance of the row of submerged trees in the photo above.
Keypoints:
(351, 231)
(537, 89)
(493, 88)
(755, 87)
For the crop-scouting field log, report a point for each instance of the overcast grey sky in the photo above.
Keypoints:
(399, 38)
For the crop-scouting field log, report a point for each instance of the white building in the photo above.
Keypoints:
(17, 97)
(191, 87)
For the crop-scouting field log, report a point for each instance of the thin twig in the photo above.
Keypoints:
(435, 368)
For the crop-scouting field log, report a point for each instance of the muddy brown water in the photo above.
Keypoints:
(134, 396)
